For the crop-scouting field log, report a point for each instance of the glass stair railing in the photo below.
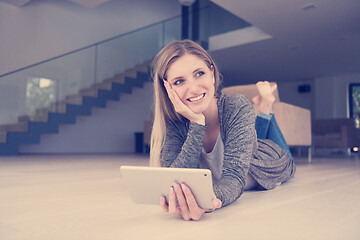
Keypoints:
(32, 94)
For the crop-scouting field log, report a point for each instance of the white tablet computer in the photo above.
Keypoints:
(147, 184)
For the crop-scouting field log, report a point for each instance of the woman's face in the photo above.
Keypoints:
(193, 81)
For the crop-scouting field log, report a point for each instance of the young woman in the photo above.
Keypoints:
(197, 126)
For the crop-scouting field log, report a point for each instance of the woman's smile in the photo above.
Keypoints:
(196, 99)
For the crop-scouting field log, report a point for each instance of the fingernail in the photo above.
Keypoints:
(171, 190)
(183, 186)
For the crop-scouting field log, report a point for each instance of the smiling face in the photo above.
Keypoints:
(193, 81)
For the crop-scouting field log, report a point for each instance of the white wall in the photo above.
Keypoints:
(329, 96)
(288, 93)
(107, 130)
(332, 96)
(43, 29)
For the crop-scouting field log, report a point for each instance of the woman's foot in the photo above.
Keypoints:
(256, 100)
(264, 101)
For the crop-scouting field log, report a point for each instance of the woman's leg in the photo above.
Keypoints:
(274, 133)
(265, 123)
(262, 123)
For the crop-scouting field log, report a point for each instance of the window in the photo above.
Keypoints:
(354, 103)
(40, 94)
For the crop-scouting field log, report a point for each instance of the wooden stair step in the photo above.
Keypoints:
(89, 92)
(3, 137)
(131, 73)
(25, 118)
(74, 99)
(118, 78)
(143, 67)
(16, 127)
(59, 107)
(103, 85)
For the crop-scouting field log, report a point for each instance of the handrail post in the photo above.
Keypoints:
(95, 63)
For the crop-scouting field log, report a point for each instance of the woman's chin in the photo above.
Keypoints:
(197, 110)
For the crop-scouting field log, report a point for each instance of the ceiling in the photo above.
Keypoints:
(85, 3)
(310, 39)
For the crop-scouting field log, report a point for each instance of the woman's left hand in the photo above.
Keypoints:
(181, 107)
(187, 206)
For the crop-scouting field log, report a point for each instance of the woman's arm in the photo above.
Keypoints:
(238, 121)
(182, 146)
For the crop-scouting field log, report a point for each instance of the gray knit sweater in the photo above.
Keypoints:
(243, 153)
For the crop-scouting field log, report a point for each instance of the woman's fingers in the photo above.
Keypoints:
(173, 208)
(216, 203)
(195, 211)
(182, 202)
(163, 204)
(172, 95)
(190, 199)
(179, 106)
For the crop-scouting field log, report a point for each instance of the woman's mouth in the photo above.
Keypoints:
(196, 98)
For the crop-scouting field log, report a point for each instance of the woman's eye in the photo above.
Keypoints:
(199, 74)
(177, 82)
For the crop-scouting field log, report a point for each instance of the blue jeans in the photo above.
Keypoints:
(267, 128)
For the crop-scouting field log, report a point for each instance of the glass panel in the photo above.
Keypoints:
(172, 30)
(26, 91)
(67, 74)
(12, 97)
(120, 54)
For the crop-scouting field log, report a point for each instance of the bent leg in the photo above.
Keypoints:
(274, 133)
(267, 128)
(265, 123)
(262, 123)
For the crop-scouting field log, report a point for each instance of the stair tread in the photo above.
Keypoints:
(14, 127)
(3, 137)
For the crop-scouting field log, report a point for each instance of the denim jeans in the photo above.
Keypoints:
(267, 128)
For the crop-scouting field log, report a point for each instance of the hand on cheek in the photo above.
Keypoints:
(181, 108)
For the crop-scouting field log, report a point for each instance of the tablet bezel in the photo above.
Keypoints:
(147, 184)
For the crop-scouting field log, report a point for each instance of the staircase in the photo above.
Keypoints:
(29, 129)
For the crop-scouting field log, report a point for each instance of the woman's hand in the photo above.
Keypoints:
(187, 206)
(181, 108)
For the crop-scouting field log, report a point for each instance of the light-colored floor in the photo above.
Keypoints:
(83, 197)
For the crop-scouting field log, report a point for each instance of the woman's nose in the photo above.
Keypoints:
(193, 86)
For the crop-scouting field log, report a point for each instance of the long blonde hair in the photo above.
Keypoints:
(163, 107)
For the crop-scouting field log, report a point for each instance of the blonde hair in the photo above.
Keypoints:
(163, 107)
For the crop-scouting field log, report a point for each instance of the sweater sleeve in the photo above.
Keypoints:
(240, 139)
(182, 147)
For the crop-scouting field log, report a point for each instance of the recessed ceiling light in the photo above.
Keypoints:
(308, 7)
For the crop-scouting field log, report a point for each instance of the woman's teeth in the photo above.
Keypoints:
(197, 98)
